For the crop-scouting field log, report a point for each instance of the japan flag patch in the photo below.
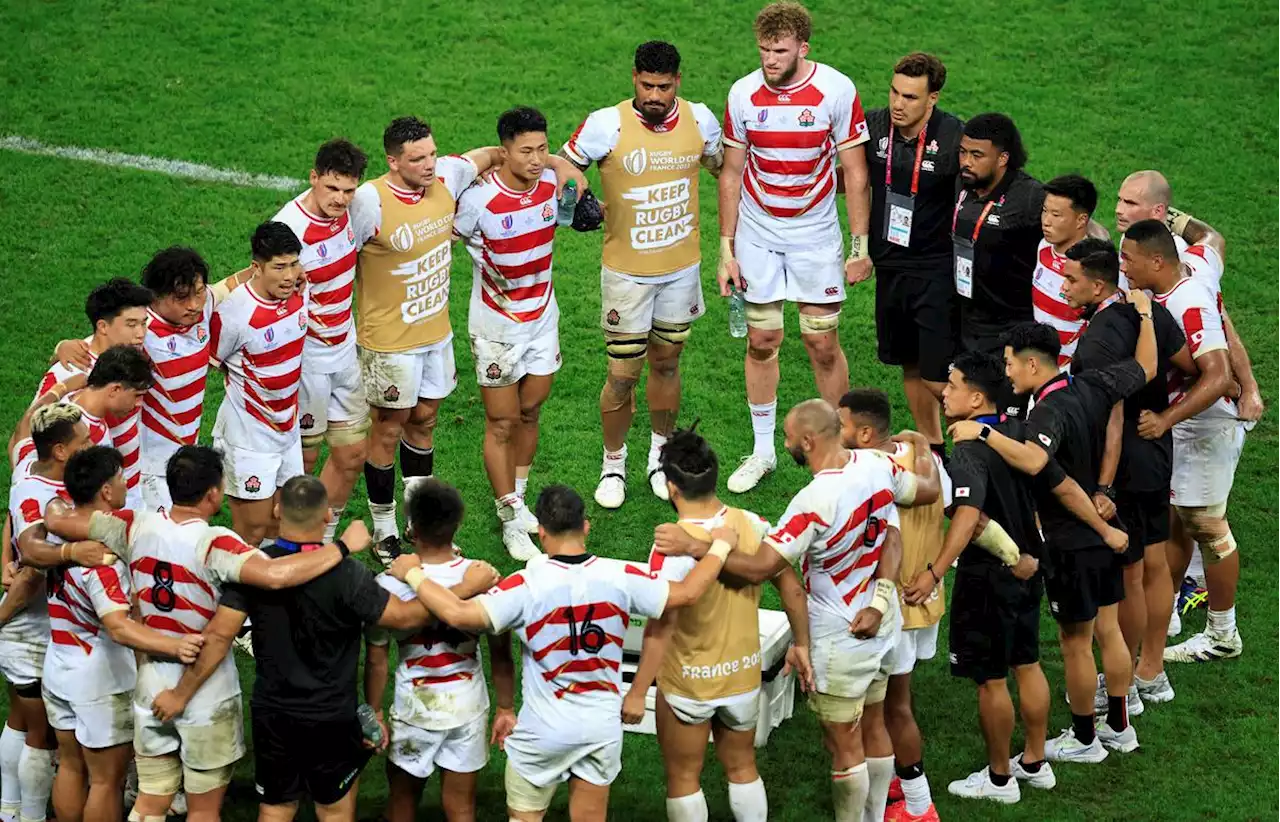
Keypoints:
(1044, 439)
(962, 492)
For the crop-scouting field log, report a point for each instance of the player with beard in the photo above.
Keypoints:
(649, 149)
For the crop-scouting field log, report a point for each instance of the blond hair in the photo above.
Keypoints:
(778, 20)
(57, 413)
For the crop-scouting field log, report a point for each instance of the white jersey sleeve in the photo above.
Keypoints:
(798, 526)
(848, 122)
(470, 209)
(113, 529)
(596, 138)
(709, 128)
(647, 594)
(734, 131)
(1205, 264)
(506, 603)
(224, 554)
(670, 568)
(224, 328)
(366, 214)
(456, 172)
(107, 589)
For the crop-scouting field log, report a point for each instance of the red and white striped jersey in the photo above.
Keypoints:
(509, 235)
(28, 496)
(791, 136)
(1198, 311)
(1205, 264)
(573, 615)
(177, 571)
(1050, 306)
(172, 409)
(329, 258)
(838, 523)
(124, 432)
(260, 344)
(437, 660)
(83, 662)
(99, 431)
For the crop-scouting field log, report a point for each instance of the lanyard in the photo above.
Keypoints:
(990, 419)
(1056, 384)
(982, 218)
(295, 547)
(1112, 300)
(915, 172)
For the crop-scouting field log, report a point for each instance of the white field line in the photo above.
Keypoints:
(144, 162)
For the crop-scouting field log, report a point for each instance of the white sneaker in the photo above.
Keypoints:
(1156, 689)
(658, 483)
(612, 491)
(1133, 702)
(978, 785)
(1175, 624)
(750, 472)
(518, 543)
(1066, 748)
(1042, 779)
(1206, 646)
(1125, 741)
(526, 518)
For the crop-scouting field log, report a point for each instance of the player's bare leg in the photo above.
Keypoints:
(1133, 608)
(684, 748)
(1081, 670)
(254, 519)
(151, 805)
(762, 374)
(849, 781)
(417, 443)
(908, 744)
(106, 769)
(71, 784)
(877, 747)
(344, 810)
(626, 356)
(348, 450)
(995, 717)
(1033, 706)
(830, 368)
(404, 792)
(380, 472)
(1211, 533)
(534, 391)
(736, 751)
(922, 399)
(458, 795)
(587, 802)
(280, 813)
(1158, 591)
(506, 441)
(663, 395)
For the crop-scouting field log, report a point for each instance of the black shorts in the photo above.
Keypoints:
(295, 758)
(916, 322)
(1081, 581)
(1145, 515)
(995, 622)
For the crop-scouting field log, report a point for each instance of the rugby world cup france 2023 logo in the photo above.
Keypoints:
(635, 162)
(402, 238)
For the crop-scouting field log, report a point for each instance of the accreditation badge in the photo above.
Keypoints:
(963, 267)
(898, 214)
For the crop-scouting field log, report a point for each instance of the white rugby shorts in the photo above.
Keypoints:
(845, 666)
(740, 712)
(499, 363)
(812, 275)
(399, 380)
(255, 475)
(325, 398)
(629, 305)
(418, 752)
(99, 723)
(1205, 455)
(544, 762)
(914, 645)
(204, 736)
(22, 662)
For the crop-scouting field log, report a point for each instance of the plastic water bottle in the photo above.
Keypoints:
(369, 724)
(737, 313)
(568, 203)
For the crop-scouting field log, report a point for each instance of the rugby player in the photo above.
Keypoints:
(439, 715)
(715, 633)
(508, 221)
(258, 335)
(1069, 202)
(114, 389)
(787, 126)
(649, 149)
(331, 399)
(572, 611)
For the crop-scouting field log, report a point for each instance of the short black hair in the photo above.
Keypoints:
(175, 270)
(922, 64)
(657, 57)
(690, 464)
(1098, 259)
(520, 120)
(1154, 238)
(404, 130)
(341, 156)
(871, 404)
(89, 470)
(191, 472)
(107, 301)
(434, 510)
(1039, 339)
(560, 510)
(53, 425)
(303, 499)
(272, 239)
(983, 371)
(1002, 133)
(1082, 193)
(122, 364)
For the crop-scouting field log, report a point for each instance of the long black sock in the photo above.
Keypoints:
(1032, 767)
(416, 462)
(1117, 712)
(911, 771)
(380, 482)
(1083, 726)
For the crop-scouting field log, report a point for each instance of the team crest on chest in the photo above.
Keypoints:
(302, 320)
(806, 118)
(547, 212)
(932, 148)
(201, 333)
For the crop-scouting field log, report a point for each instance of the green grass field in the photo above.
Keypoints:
(1096, 87)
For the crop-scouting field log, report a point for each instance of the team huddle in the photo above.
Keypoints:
(1097, 400)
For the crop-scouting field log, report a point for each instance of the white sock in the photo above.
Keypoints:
(916, 793)
(656, 441)
(1196, 569)
(691, 808)
(615, 462)
(1222, 622)
(35, 774)
(748, 801)
(410, 484)
(522, 483)
(11, 744)
(331, 527)
(506, 506)
(879, 775)
(764, 419)
(849, 792)
(384, 520)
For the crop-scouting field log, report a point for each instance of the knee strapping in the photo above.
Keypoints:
(626, 363)
(198, 782)
(765, 316)
(134, 816)
(664, 333)
(312, 441)
(624, 348)
(351, 433)
(1208, 526)
(159, 775)
(819, 323)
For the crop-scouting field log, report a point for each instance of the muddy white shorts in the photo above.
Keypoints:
(547, 762)
(399, 380)
(1205, 455)
(740, 712)
(98, 723)
(255, 475)
(500, 363)
(418, 752)
(914, 645)
(326, 398)
(630, 305)
(22, 663)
